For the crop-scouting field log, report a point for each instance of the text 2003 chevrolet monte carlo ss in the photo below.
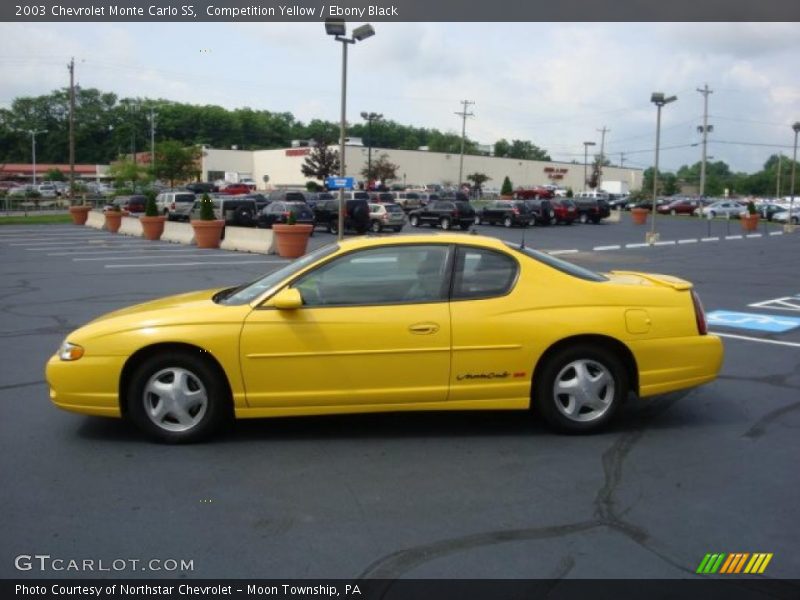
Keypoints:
(422, 322)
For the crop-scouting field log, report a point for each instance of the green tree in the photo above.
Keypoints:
(382, 170)
(478, 179)
(506, 189)
(55, 175)
(176, 162)
(129, 173)
(502, 148)
(322, 162)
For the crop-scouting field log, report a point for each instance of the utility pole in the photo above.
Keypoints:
(153, 141)
(621, 159)
(778, 183)
(603, 132)
(71, 67)
(463, 114)
(705, 128)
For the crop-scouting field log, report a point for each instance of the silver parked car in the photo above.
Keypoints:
(723, 208)
(783, 217)
(386, 216)
(176, 205)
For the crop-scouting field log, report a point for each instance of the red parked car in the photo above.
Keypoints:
(235, 188)
(565, 210)
(531, 193)
(683, 206)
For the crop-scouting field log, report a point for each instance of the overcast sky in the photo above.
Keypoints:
(554, 84)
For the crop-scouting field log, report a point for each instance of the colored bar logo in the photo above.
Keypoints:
(735, 563)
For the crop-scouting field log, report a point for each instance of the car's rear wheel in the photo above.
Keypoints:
(583, 218)
(444, 223)
(376, 227)
(414, 220)
(580, 388)
(477, 220)
(508, 222)
(673, 212)
(333, 227)
(177, 398)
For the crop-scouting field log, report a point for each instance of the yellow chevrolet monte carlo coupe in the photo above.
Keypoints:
(422, 322)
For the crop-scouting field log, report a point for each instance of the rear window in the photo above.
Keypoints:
(464, 206)
(361, 195)
(558, 264)
(185, 197)
(393, 208)
(295, 197)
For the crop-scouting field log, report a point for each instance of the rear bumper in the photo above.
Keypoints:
(668, 365)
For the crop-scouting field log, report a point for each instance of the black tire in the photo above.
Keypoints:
(554, 407)
(712, 214)
(200, 376)
(375, 226)
(477, 220)
(583, 218)
(398, 229)
(414, 220)
(333, 227)
(445, 223)
(508, 222)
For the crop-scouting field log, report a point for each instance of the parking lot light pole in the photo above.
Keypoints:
(370, 118)
(789, 223)
(586, 163)
(337, 28)
(33, 133)
(659, 100)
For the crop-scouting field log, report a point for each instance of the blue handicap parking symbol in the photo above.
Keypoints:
(739, 320)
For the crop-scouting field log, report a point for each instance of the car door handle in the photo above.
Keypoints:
(423, 328)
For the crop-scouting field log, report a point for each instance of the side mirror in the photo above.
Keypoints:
(287, 299)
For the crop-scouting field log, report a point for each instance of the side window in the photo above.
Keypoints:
(482, 273)
(395, 275)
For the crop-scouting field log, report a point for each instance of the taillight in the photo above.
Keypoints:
(699, 314)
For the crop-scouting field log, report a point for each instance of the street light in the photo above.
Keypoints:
(659, 100)
(369, 118)
(586, 162)
(33, 133)
(338, 29)
(790, 225)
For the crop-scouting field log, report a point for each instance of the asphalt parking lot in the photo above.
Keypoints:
(496, 495)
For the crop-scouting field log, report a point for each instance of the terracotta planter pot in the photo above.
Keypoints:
(113, 220)
(207, 234)
(79, 214)
(152, 227)
(639, 215)
(749, 222)
(292, 240)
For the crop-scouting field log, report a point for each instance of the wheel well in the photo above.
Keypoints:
(138, 357)
(607, 343)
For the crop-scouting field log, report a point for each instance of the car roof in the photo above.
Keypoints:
(423, 238)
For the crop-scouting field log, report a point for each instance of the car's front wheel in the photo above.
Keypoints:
(414, 220)
(177, 398)
(580, 388)
(376, 227)
(445, 223)
(508, 222)
(583, 218)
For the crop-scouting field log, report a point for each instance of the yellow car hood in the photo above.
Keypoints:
(187, 302)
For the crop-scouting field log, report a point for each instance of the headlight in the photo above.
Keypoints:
(70, 351)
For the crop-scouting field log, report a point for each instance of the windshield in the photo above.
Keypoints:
(559, 264)
(250, 291)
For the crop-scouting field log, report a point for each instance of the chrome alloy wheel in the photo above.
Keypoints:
(583, 390)
(175, 399)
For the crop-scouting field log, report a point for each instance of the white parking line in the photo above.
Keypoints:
(194, 264)
(614, 247)
(140, 257)
(131, 244)
(103, 251)
(753, 235)
(709, 239)
(755, 339)
(665, 243)
(53, 238)
(694, 241)
(733, 237)
(557, 252)
(776, 233)
(636, 245)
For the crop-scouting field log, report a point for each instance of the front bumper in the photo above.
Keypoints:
(88, 386)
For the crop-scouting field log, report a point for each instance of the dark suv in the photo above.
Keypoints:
(591, 209)
(356, 216)
(505, 212)
(278, 212)
(542, 210)
(444, 213)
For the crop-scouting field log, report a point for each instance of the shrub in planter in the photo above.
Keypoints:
(291, 239)
(207, 229)
(152, 222)
(507, 190)
(113, 216)
(749, 219)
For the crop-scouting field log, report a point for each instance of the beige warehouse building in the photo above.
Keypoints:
(416, 167)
